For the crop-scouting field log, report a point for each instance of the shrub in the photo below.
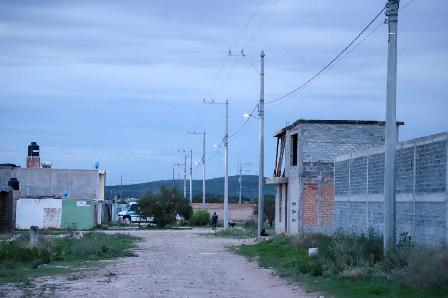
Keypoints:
(251, 223)
(16, 252)
(425, 268)
(346, 251)
(165, 206)
(200, 218)
(310, 240)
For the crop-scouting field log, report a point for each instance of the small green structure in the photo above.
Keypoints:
(78, 214)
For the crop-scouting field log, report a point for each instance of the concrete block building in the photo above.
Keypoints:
(304, 169)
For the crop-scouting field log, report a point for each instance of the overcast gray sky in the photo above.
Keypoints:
(121, 82)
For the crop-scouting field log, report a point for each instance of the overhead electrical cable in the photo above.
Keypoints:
(247, 25)
(244, 123)
(330, 63)
(261, 25)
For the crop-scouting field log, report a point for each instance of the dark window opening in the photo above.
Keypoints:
(294, 140)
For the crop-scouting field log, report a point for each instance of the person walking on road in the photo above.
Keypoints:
(214, 220)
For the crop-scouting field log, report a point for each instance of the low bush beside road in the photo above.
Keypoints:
(354, 266)
(19, 260)
(200, 218)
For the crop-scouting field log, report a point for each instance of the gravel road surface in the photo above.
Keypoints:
(170, 263)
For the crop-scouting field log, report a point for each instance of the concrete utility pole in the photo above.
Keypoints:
(226, 161)
(240, 180)
(191, 176)
(185, 175)
(391, 129)
(261, 154)
(186, 155)
(121, 187)
(178, 165)
(226, 168)
(203, 163)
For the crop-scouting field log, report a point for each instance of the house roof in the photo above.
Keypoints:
(311, 121)
(8, 165)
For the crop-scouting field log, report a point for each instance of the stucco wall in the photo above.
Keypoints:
(44, 213)
(80, 184)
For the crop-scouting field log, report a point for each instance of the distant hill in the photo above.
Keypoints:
(213, 186)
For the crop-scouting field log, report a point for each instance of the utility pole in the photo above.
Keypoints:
(203, 163)
(240, 180)
(261, 154)
(185, 171)
(226, 161)
(391, 129)
(178, 165)
(226, 168)
(121, 187)
(191, 176)
(185, 176)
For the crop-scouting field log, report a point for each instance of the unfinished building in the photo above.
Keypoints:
(304, 169)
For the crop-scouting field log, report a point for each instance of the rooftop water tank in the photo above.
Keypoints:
(33, 149)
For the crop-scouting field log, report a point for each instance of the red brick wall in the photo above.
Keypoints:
(317, 203)
(326, 203)
(33, 162)
(309, 207)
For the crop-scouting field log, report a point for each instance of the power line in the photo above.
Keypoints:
(406, 5)
(261, 24)
(232, 45)
(247, 25)
(346, 54)
(244, 123)
(227, 77)
(330, 63)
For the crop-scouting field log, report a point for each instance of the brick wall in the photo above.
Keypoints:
(309, 203)
(421, 179)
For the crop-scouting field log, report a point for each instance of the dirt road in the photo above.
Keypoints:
(169, 264)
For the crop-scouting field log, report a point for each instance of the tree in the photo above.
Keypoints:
(269, 209)
(165, 206)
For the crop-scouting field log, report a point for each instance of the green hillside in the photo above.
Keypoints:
(214, 186)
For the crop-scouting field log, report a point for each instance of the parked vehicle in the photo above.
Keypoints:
(132, 214)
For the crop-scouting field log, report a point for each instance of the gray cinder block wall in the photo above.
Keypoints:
(422, 198)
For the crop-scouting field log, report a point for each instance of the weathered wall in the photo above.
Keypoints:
(422, 200)
(78, 214)
(81, 184)
(44, 213)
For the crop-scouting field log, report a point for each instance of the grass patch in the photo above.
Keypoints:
(237, 233)
(353, 266)
(19, 261)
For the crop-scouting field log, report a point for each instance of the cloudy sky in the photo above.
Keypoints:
(121, 82)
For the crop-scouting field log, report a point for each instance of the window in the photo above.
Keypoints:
(294, 140)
